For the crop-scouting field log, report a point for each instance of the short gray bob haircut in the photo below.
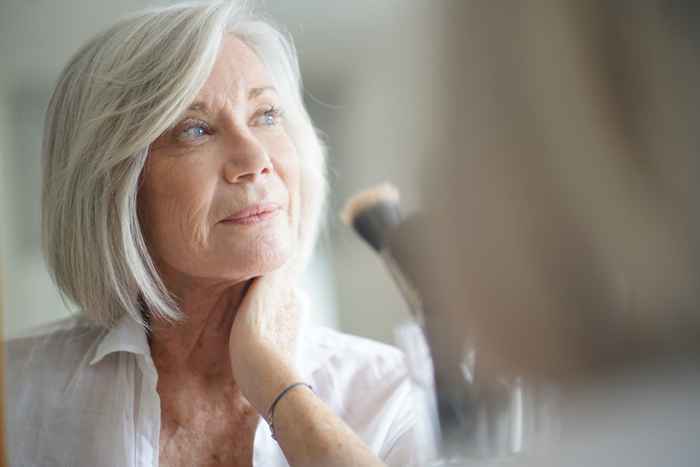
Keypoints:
(114, 98)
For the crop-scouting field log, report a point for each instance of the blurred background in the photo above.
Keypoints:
(357, 59)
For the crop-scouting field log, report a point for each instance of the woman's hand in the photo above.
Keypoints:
(262, 348)
(262, 342)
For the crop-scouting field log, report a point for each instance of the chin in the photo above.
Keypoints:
(255, 253)
(269, 261)
(262, 258)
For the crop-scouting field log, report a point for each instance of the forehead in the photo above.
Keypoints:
(237, 68)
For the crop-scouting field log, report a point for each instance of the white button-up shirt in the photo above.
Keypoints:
(79, 395)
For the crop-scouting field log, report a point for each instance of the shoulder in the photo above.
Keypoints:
(52, 342)
(328, 350)
(360, 378)
(48, 356)
(55, 399)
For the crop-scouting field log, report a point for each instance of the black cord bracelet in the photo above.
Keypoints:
(271, 412)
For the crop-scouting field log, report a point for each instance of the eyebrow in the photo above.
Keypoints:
(255, 92)
(252, 94)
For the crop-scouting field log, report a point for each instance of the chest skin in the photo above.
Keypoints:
(205, 425)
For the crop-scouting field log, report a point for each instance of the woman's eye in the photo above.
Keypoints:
(272, 116)
(194, 132)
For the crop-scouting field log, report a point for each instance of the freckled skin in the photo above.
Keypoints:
(188, 186)
(216, 430)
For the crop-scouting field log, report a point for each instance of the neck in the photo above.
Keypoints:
(197, 345)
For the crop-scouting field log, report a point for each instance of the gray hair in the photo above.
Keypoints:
(114, 98)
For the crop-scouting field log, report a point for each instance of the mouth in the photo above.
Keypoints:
(253, 214)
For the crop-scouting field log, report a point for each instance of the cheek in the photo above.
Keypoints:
(289, 169)
(174, 211)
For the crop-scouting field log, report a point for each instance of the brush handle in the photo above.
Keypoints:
(409, 292)
(449, 396)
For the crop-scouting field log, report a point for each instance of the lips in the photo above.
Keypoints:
(253, 214)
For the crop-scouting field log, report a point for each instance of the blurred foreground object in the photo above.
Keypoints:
(3, 462)
(564, 241)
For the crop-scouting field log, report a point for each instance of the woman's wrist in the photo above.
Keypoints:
(311, 435)
(265, 378)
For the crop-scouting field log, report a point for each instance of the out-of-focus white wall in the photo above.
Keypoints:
(357, 59)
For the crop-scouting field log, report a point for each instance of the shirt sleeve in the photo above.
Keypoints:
(403, 452)
(411, 438)
(369, 385)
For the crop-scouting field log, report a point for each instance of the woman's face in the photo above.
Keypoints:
(219, 198)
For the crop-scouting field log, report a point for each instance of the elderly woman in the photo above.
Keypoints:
(183, 186)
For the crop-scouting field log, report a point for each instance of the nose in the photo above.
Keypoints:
(246, 159)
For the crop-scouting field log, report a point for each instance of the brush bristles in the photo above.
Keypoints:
(372, 213)
(384, 193)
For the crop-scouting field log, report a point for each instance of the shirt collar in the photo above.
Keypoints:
(128, 335)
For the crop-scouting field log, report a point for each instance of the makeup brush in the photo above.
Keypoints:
(374, 213)
(375, 216)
